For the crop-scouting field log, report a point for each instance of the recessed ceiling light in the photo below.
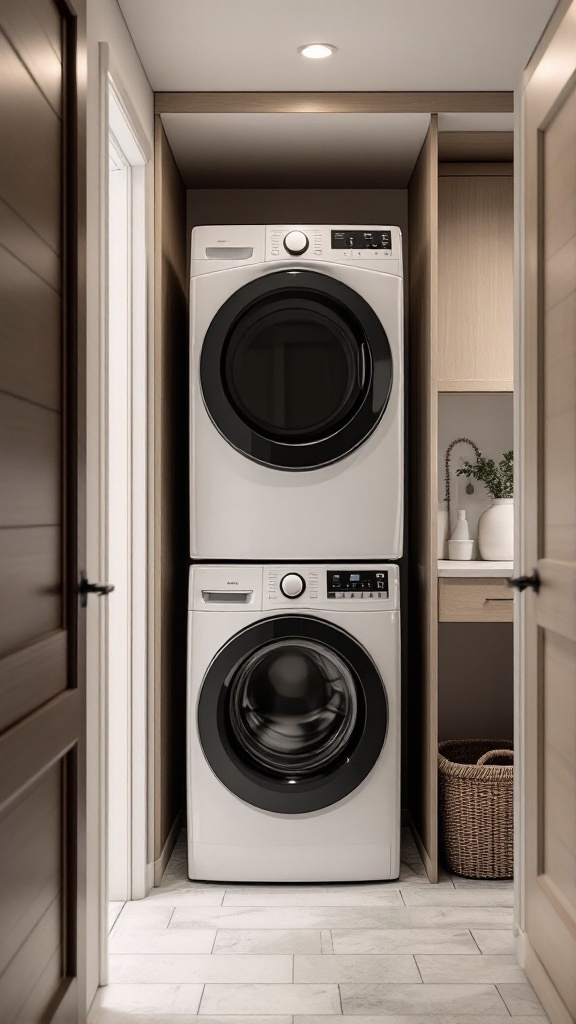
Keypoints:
(317, 51)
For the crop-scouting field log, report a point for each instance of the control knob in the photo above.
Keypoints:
(296, 243)
(292, 585)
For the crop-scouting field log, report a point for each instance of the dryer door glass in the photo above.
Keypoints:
(296, 370)
(293, 708)
(292, 714)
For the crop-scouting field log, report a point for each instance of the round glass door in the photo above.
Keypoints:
(293, 708)
(296, 370)
(292, 714)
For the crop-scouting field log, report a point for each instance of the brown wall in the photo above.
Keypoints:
(170, 492)
(475, 680)
(298, 206)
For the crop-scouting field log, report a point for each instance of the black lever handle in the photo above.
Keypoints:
(86, 588)
(523, 582)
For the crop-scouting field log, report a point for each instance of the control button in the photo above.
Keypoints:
(296, 243)
(292, 585)
(340, 594)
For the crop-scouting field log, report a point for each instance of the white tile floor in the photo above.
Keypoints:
(401, 952)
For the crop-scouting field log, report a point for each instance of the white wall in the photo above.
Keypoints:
(104, 24)
(487, 419)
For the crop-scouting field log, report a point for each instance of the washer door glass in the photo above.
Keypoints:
(296, 370)
(292, 714)
(293, 708)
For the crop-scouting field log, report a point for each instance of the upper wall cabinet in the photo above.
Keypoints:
(475, 278)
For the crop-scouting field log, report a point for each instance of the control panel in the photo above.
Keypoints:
(294, 588)
(328, 243)
(358, 583)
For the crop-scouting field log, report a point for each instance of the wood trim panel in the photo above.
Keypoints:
(31, 460)
(475, 600)
(28, 25)
(422, 722)
(476, 146)
(448, 169)
(30, 187)
(31, 565)
(450, 386)
(332, 102)
(41, 739)
(30, 677)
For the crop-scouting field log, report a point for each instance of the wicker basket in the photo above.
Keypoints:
(476, 807)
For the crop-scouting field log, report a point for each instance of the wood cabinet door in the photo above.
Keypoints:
(41, 516)
(475, 271)
(548, 835)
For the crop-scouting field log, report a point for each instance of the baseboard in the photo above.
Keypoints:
(161, 863)
(543, 986)
(431, 869)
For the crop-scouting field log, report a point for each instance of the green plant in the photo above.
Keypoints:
(497, 479)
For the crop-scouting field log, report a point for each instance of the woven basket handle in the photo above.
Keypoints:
(492, 754)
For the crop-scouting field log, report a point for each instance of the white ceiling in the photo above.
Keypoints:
(404, 45)
(295, 150)
(382, 44)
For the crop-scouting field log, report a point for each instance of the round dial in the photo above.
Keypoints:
(296, 243)
(292, 585)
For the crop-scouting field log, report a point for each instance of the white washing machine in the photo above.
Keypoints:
(296, 393)
(294, 723)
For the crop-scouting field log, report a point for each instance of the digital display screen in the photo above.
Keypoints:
(365, 582)
(361, 239)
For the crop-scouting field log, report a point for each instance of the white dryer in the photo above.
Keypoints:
(294, 723)
(296, 393)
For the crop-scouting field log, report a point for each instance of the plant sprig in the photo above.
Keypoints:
(498, 479)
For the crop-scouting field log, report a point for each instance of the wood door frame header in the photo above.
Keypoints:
(333, 102)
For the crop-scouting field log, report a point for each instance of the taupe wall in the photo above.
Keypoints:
(298, 206)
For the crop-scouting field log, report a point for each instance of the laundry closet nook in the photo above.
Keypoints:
(440, 167)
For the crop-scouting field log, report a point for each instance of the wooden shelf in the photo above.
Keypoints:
(465, 570)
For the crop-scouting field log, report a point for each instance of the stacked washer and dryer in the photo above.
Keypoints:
(293, 722)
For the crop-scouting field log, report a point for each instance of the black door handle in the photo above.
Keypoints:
(522, 582)
(86, 588)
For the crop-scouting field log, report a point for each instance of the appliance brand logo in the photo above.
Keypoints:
(231, 583)
(221, 240)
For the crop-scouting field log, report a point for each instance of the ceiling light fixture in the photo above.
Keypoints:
(317, 51)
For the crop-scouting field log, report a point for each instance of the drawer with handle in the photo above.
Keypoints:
(475, 600)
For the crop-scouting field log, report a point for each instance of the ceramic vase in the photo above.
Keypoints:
(496, 531)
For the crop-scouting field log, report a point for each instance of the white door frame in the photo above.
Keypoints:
(119, 121)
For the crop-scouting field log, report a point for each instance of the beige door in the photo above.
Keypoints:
(42, 775)
(549, 520)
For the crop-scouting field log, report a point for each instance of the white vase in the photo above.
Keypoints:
(496, 531)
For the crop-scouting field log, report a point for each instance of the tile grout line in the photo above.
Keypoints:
(200, 1000)
(509, 1011)
(471, 933)
(418, 967)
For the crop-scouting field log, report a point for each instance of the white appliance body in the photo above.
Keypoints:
(349, 838)
(350, 505)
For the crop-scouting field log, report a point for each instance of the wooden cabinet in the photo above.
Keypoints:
(475, 279)
(461, 340)
(475, 600)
